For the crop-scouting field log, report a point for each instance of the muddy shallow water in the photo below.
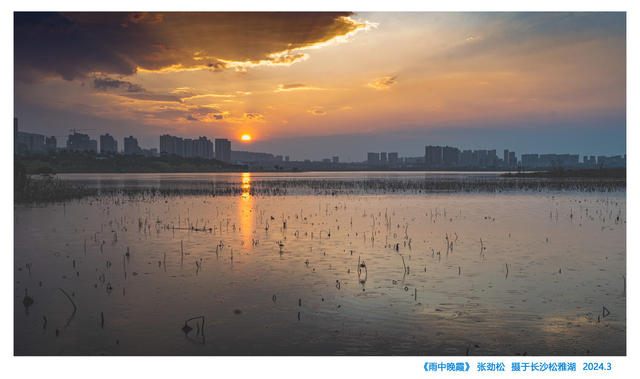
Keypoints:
(390, 274)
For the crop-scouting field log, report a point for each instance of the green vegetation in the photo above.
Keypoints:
(86, 162)
(618, 173)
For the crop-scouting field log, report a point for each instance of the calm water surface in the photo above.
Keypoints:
(399, 274)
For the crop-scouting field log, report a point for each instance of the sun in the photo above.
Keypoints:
(246, 137)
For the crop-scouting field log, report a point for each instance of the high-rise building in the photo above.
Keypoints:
(558, 161)
(81, 142)
(32, 142)
(611, 162)
(170, 145)
(186, 148)
(492, 158)
(373, 159)
(450, 156)
(466, 158)
(433, 156)
(51, 143)
(335, 159)
(189, 151)
(203, 148)
(223, 149)
(29, 142)
(482, 158)
(108, 144)
(589, 161)
(529, 161)
(513, 161)
(505, 158)
(131, 145)
(393, 158)
(383, 158)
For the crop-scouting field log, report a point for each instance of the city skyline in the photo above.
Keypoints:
(157, 146)
(531, 82)
(435, 156)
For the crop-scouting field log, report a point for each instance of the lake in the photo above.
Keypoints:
(308, 273)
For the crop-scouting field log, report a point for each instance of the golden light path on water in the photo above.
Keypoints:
(246, 211)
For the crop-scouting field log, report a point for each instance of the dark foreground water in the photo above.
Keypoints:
(541, 273)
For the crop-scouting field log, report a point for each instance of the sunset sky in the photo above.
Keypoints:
(313, 85)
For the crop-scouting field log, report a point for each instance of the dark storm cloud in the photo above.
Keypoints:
(72, 45)
(51, 44)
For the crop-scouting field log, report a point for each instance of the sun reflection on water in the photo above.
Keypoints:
(246, 184)
(246, 211)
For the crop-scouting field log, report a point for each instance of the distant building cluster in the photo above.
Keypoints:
(434, 158)
(531, 161)
(550, 160)
(614, 161)
(38, 143)
(447, 157)
(31, 142)
(201, 147)
(247, 157)
(382, 159)
(186, 147)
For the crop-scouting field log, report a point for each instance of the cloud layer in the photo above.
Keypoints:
(72, 45)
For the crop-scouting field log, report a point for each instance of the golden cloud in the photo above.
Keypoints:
(317, 111)
(295, 87)
(253, 116)
(214, 116)
(205, 96)
(383, 83)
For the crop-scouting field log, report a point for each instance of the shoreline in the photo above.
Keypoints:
(50, 189)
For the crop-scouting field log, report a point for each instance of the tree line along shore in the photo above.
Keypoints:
(86, 162)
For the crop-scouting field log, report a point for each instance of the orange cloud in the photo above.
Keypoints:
(253, 116)
(317, 111)
(295, 87)
(382, 83)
